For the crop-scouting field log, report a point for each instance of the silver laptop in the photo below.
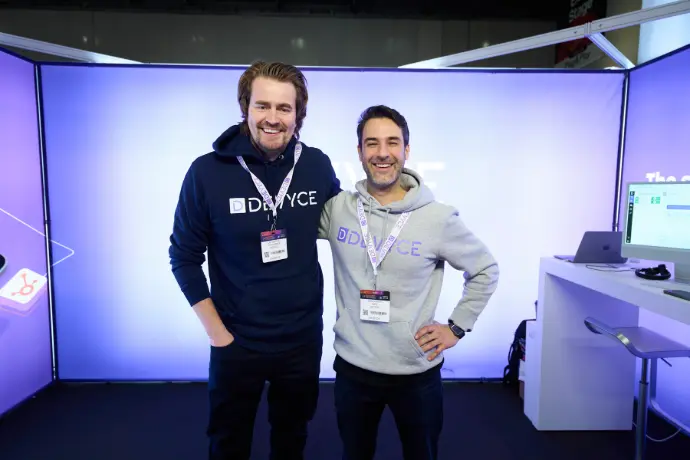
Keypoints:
(598, 248)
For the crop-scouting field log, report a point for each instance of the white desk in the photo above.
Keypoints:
(574, 379)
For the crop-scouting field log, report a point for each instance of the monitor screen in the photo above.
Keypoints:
(658, 215)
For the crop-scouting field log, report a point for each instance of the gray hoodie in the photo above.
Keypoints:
(412, 271)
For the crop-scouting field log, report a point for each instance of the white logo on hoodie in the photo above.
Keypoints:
(254, 204)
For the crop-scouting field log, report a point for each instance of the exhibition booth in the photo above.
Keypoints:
(93, 156)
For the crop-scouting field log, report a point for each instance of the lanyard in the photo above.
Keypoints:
(261, 188)
(374, 258)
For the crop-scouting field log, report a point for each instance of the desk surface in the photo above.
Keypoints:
(622, 285)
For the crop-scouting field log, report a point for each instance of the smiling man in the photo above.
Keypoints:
(389, 241)
(254, 205)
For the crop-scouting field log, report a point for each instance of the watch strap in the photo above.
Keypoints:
(456, 330)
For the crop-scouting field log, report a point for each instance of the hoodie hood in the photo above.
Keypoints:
(234, 143)
(417, 196)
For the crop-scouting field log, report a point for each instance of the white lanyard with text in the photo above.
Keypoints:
(261, 188)
(375, 258)
(274, 242)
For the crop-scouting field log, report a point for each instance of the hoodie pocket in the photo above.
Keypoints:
(404, 342)
(280, 301)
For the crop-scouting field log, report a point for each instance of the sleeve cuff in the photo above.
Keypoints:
(464, 319)
(197, 293)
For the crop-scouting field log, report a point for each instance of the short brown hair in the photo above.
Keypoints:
(276, 71)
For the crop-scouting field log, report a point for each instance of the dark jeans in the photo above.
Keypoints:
(236, 382)
(417, 408)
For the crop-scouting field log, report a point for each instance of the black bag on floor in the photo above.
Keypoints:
(516, 353)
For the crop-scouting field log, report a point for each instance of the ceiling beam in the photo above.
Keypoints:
(52, 49)
(591, 30)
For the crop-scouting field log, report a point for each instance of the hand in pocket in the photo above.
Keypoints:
(223, 340)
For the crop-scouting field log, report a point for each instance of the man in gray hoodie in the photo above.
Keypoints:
(389, 241)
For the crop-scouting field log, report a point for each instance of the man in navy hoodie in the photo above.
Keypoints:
(254, 204)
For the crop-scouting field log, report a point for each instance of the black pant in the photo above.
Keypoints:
(417, 408)
(236, 381)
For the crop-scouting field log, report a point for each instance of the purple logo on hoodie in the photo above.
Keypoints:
(354, 238)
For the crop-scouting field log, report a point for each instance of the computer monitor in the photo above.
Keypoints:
(657, 224)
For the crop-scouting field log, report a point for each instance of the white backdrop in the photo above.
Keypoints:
(529, 159)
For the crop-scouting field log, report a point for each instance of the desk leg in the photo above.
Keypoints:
(575, 379)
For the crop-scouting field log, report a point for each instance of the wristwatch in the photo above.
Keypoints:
(455, 329)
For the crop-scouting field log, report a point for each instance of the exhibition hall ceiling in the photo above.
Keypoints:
(553, 10)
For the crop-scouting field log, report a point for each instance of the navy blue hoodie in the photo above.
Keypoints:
(271, 306)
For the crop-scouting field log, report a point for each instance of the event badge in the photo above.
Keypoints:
(375, 306)
(274, 245)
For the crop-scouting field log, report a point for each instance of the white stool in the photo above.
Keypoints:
(649, 347)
